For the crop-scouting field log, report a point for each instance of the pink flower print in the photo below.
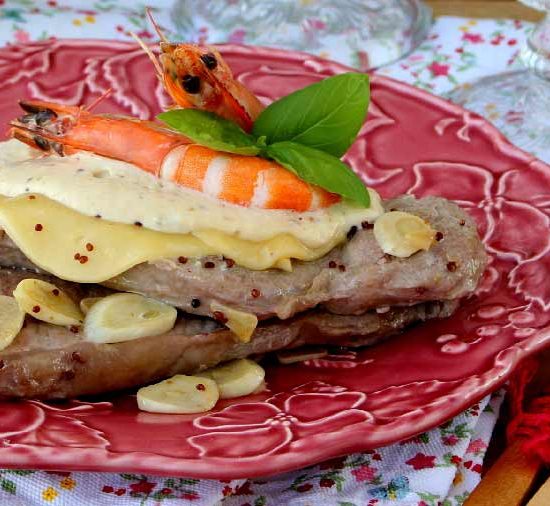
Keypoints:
(143, 486)
(315, 24)
(273, 424)
(475, 38)
(421, 461)
(476, 446)
(512, 42)
(512, 117)
(364, 473)
(145, 34)
(22, 36)
(450, 440)
(190, 496)
(438, 69)
(237, 36)
(244, 489)
(337, 463)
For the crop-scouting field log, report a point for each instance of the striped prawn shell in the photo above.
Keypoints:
(242, 180)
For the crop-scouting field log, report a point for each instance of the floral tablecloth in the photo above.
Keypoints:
(439, 467)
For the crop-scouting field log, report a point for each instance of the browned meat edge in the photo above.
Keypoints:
(52, 362)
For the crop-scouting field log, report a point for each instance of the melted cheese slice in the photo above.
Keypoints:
(83, 249)
(122, 193)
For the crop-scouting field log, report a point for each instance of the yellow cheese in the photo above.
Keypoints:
(123, 193)
(274, 252)
(84, 249)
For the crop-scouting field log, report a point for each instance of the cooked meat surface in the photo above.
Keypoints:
(351, 279)
(51, 362)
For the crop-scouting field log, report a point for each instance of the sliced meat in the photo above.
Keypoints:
(51, 362)
(351, 279)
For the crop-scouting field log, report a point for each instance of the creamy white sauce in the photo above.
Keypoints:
(120, 192)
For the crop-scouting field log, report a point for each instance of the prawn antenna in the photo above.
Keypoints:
(150, 54)
(161, 35)
(98, 100)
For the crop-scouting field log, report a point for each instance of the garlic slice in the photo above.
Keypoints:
(12, 318)
(240, 323)
(180, 394)
(126, 316)
(47, 303)
(402, 234)
(87, 303)
(236, 378)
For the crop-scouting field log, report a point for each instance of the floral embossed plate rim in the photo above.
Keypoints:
(347, 402)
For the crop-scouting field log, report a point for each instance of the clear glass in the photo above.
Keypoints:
(518, 103)
(361, 33)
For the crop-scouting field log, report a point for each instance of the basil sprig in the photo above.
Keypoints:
(306, 132)
(326, 115)
(210, 130)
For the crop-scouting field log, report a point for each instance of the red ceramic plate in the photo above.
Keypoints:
(412, 142)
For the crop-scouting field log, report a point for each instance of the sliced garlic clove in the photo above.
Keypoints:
(240, 323)
(126, 316)
(236, 378)
(180, 394)
(12, 318)
(87, 303)
(402, 234)
(47, 303)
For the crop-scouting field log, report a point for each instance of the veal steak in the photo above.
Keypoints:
(351, 279)
(51, 362)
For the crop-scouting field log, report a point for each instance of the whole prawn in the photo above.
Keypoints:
(198, 77)
(243, 180)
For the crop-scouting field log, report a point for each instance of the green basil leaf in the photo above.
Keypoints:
(321, 169)
(326, 115)
(208, 129)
